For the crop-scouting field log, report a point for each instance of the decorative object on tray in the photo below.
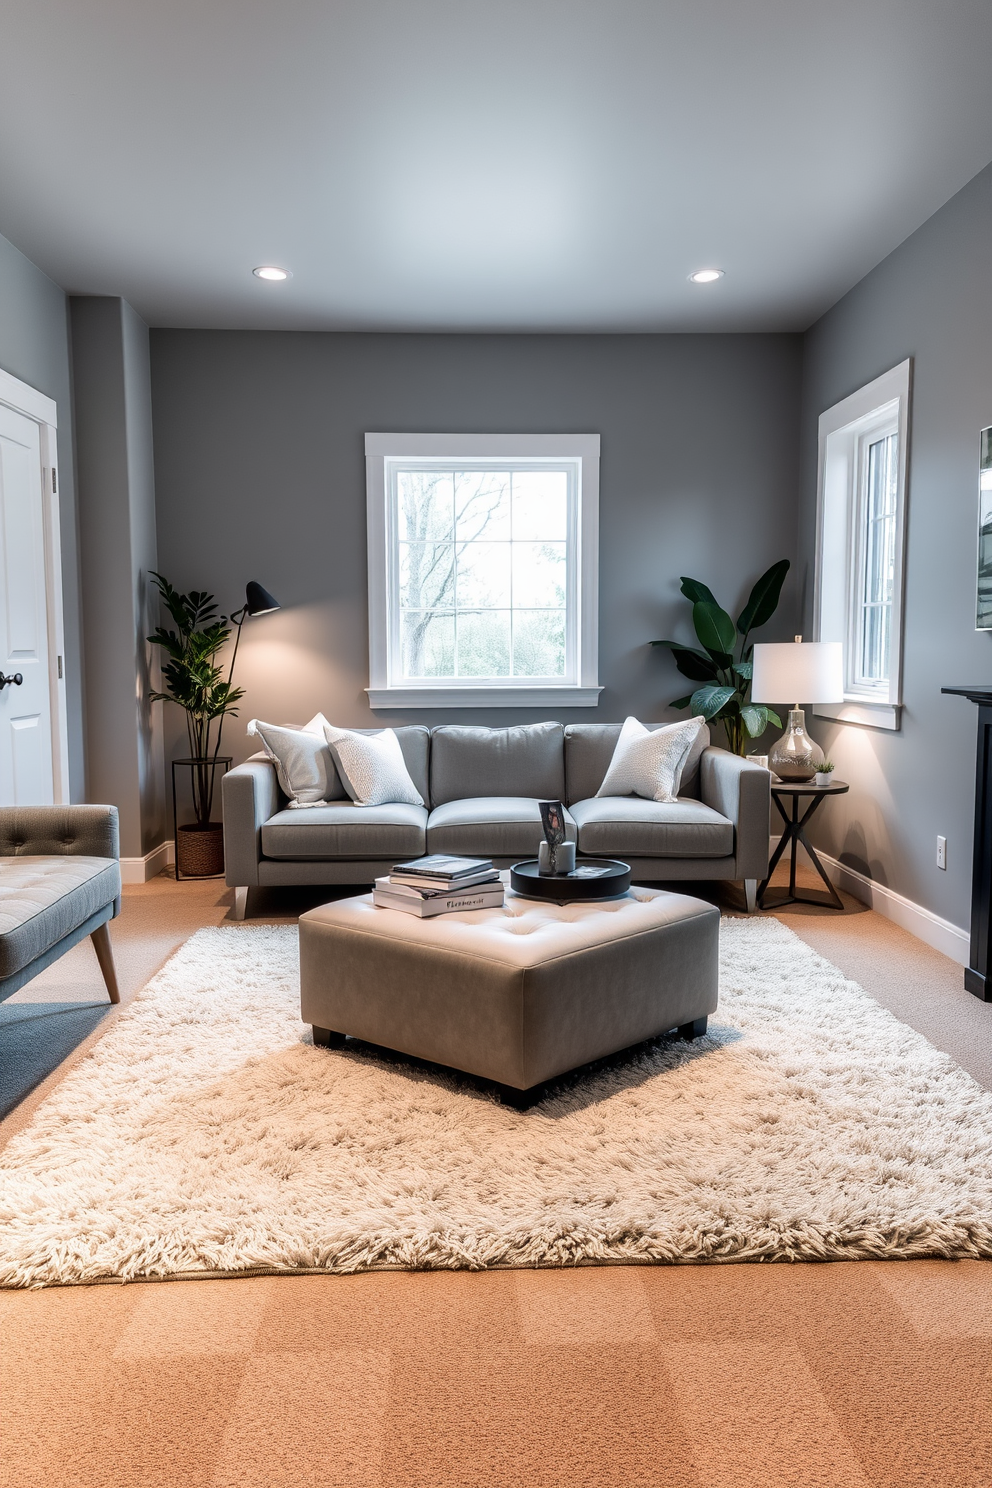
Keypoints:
(554, 854)
(726, 679)
(813, 672)
(439, 884)
(591, 878)
(825, 774)
(651, 762)
(195, 681)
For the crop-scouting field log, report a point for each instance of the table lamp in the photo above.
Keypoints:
(810, 671)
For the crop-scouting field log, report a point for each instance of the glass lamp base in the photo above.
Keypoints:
(795, 756)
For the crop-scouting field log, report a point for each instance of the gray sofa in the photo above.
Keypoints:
(60, 880)
(482, 786)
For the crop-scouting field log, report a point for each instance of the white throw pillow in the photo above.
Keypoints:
(302, 759)
(649, 763)
(372, 768)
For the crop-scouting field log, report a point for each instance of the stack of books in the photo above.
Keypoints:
(439, 885)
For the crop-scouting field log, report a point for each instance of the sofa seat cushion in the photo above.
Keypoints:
(43, 899)
(346, 831)
(627, 826)
(490, 826)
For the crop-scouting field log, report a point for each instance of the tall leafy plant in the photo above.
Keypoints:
(723, 663)
(194, 679)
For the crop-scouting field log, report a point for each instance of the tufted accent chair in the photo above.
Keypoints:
(60, 880)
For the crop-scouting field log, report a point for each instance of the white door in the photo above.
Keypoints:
(26, 777)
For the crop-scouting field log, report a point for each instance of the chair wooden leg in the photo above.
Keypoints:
(240, 904)
(105, 956)
(751, 894)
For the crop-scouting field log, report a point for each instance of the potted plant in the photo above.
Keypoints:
(723, 664)
(194, 679)
(825, 774)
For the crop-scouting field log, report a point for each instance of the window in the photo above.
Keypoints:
(482, 570)
(860, 540)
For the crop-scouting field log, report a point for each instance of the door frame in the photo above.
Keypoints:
(26, 400)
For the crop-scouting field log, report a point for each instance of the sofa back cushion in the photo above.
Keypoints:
(589, 749)
(525, 760)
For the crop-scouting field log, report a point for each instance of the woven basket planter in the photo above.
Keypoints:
(200, 851)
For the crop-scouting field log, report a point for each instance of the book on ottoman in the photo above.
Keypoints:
(439, 871)
(428, 901)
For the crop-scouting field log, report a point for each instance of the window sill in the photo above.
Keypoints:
(484, 697)
(865, 715)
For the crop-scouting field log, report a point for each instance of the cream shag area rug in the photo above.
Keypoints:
(205, 1133)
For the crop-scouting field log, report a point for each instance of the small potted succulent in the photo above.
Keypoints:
(825, 774)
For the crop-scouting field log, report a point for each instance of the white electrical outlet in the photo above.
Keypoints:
(941, 852)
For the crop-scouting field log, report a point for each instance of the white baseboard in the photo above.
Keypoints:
(140, 870)
(944, 936)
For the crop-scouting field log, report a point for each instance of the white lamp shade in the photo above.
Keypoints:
(800, 672)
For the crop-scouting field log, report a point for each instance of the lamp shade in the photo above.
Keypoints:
(803, 672)
(259, 601)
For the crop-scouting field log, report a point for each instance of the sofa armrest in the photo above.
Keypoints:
(741, 792)
(251, 796)
(48, 831)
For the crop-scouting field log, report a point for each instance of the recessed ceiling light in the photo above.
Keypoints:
(701, 276)
(270, 271)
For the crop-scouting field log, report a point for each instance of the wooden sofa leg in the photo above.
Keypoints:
(240, 903)
(105, 955)
(751, 894)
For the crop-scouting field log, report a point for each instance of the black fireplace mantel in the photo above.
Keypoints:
(978, 973)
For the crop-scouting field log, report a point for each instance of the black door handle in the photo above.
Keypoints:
(14, 680)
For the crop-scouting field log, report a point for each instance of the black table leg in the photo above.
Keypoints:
(793, 835)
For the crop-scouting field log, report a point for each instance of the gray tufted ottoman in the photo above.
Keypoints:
(518, 994)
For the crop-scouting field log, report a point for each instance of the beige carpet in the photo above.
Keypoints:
(204, 1133)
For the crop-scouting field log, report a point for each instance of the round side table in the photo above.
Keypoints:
(795, 792)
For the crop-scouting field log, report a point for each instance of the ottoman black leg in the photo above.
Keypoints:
(693, 1030)
(520, 1100)
(326, 1038)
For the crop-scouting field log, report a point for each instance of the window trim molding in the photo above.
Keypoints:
(439, 693)
(893, 388)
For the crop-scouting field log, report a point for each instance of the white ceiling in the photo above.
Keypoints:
(483, 164)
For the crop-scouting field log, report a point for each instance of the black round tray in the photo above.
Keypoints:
(594, 878)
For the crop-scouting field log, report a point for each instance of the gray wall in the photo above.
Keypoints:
(929, 300)
(34, 346)
(260, 474)
(117, 534)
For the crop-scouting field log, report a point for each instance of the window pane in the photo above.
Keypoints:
(482, 505)
(538, 575)
(879, 539)
(425, 505)
(427, 576)
(428, 644)
(484, 644)
(540, 505)
(539, 643)
(483, 575)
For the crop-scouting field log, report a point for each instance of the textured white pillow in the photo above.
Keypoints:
(649, 763)
(302, 759)
(372, 768)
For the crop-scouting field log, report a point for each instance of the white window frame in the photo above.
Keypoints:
(846, 432)
(580, 452)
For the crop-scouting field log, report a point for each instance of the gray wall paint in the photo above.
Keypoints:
(34, 346)
(930, 301)
(260, 475)
(117, 530)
